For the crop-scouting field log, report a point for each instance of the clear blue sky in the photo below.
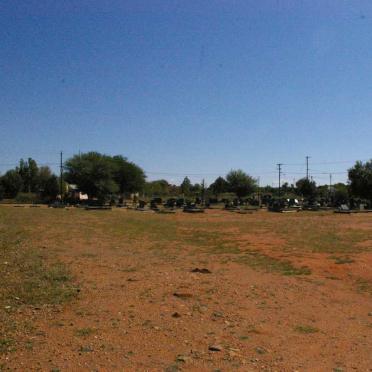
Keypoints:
(189, 87)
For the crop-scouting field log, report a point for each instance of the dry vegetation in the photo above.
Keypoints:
(114, 290)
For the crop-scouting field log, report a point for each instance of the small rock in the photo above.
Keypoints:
(215, 348)
(260, 350)
(201, 271)
(218, 314)
(370, 313)
(182, 358)
(176, 315)
(182, 295)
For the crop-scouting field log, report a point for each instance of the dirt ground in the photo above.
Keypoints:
(282, 292)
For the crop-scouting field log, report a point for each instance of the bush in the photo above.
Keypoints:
(28, 198)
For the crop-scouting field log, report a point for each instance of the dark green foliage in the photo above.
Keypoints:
(186, 186)
(241, 183)
(157, 188)
(12, 183)
(29, 172)
(27, 197)
(92, 172)
(306, 188)
(100, 175)
(340, 194)
(219, 186)
(360, 177)
(128, 176)
(48, 183)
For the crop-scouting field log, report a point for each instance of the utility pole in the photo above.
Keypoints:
(203, 193)
(280, 173)
(307, 167)
(61, 177)
(259, 192)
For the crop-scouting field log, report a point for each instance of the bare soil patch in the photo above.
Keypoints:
(122, 290)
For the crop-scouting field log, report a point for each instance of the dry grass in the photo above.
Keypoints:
(33, 276)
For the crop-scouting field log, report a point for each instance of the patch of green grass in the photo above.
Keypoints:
(85, 349)
(6, 345)
(260, 261)
(244, 338)
(306, 329)
(364, 286)
(210, 241)
(342, 260)
(29, 345)
(83, 332)
(28, 278)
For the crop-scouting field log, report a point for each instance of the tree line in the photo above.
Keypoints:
(102, 176)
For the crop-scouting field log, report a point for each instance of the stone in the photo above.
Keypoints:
(182, 358)
(182, 295)
(215, 348)
(201, 271)
(260, 350)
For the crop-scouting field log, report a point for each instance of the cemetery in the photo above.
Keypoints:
(105, 270)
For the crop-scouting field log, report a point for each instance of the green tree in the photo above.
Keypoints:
(129, 176)
(29, 172)
(157, 188)
(93, 173)
(241, 183)
(219, 186)
(340, 194)
(12, 183)
(50, 188)
(186, 186)
(360, 177)
(306, 188)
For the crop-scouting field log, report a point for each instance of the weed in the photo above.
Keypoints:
(342, 260)
(85, 349)
(306, 329)
(258, 260)
(364, 286)
(83, 332)
(6, 345)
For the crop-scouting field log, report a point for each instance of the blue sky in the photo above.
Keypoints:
(189, 87)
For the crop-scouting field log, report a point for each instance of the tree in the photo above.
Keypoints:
(50, 187)
(157, 188)
(219, 186)
(306, 188)
(12, 183)
(241, 183)
(92, 172)
(360, 177)
(340, 194)
(186, 186)
(129, 176)
(29, 171)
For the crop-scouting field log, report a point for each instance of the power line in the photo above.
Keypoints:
(307, 167)
(61, 176)
(279, 174)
